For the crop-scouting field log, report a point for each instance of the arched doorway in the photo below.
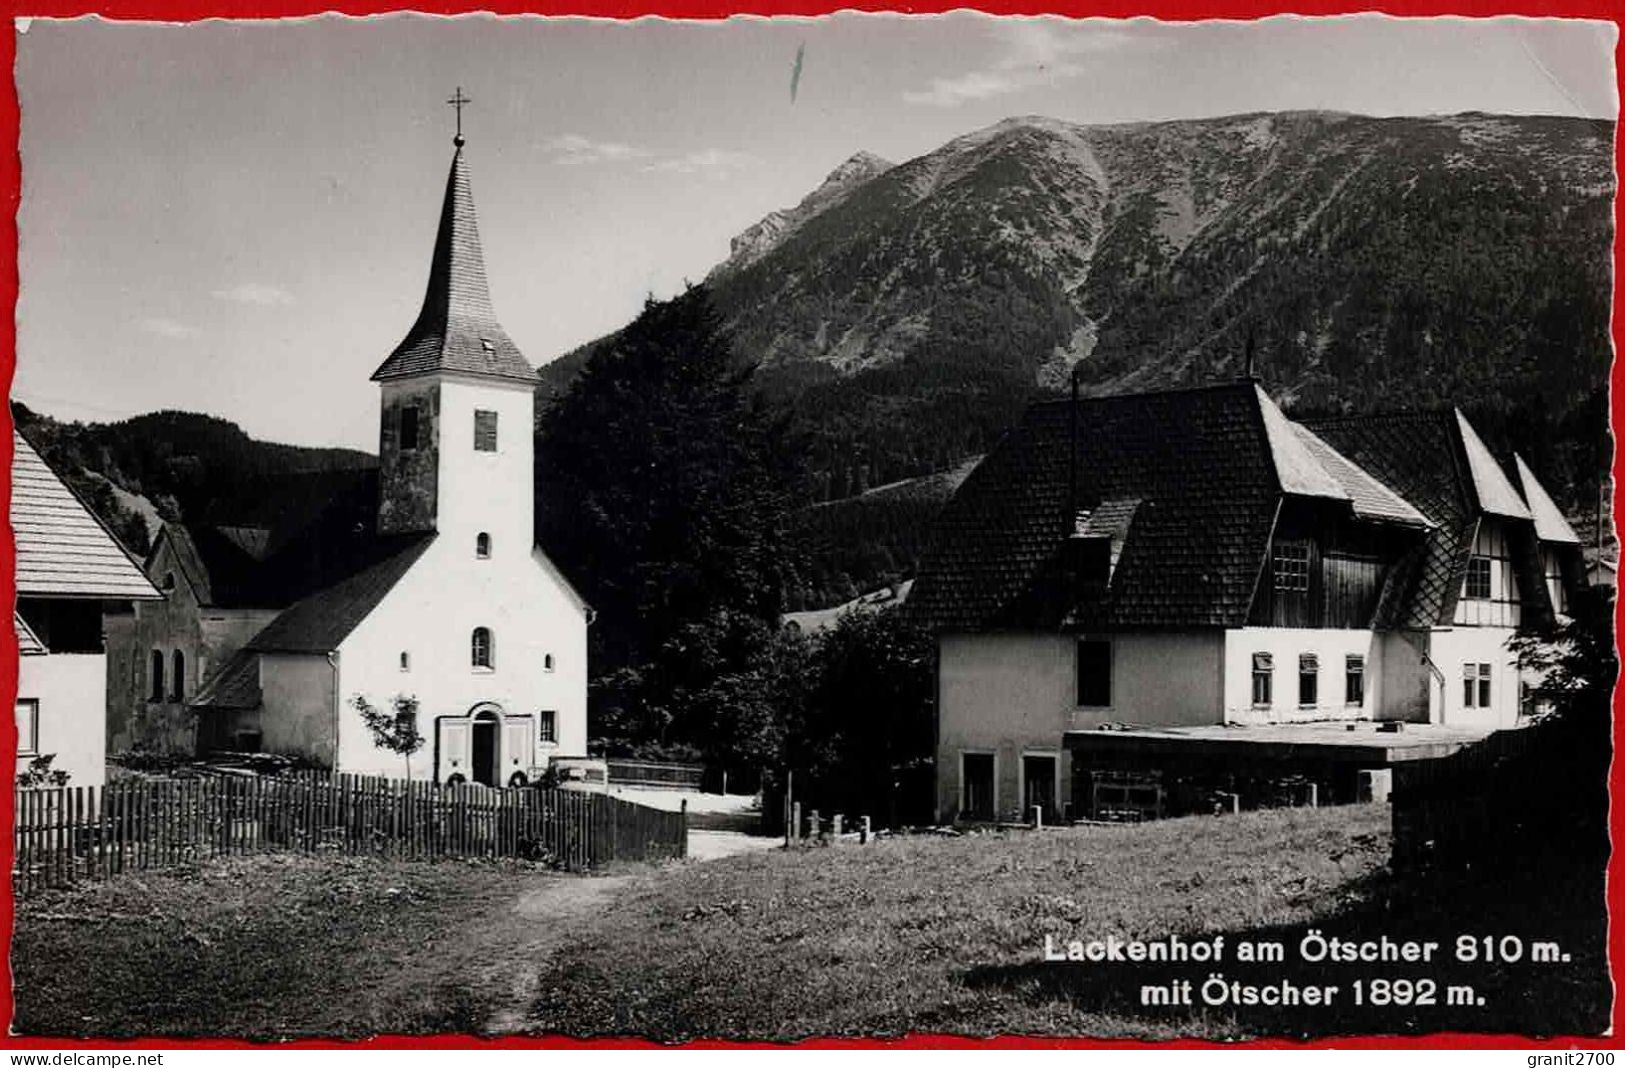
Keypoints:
(484, 744)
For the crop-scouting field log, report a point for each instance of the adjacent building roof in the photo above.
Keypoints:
(63, 550)
(1200, 464)
(292, 536)
(457, 329)
(1186, 484)
(1549, 522)
(1494, 493)
(320, 622)
(28, 643)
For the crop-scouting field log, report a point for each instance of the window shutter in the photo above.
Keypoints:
(454, 742)
(518, 745)
(485, 431)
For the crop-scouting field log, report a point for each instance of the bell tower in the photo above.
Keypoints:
(455, 423)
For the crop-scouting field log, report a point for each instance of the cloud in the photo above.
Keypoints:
(168, 328)
(1033, 53)
(710, 161)
(573, 150)
(266, 296)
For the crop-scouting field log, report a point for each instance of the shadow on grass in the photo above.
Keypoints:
(1559, 902)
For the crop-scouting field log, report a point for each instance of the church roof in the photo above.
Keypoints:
(63, 550)
(457, 330)
(320, 623)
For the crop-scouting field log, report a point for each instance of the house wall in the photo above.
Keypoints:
(430, 615)
(71, 690)
(1503, 607)
(205, 636)
(1408, 687)
(1453, 647)
(1287, 645)
(297, 706)
(1014, 693)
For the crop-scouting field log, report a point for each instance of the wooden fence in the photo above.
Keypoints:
(68, 834)
(653, 773)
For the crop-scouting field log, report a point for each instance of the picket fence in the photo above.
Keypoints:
(68, 834)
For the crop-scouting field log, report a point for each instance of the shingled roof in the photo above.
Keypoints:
(457, 329)
(1424, 457)
(320, 622)
(63, 550)
(1197, 461)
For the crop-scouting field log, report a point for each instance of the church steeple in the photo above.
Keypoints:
(457, 330)
(456, 403)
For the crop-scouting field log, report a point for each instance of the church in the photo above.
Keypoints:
(420, 581)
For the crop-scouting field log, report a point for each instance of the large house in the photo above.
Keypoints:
(1195, 559)
(71, 573)
(421, 580)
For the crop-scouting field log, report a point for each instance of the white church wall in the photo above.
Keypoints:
(430, 616)
(489, 492)
(296, 716)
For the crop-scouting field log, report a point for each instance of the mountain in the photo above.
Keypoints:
(171, 465)
(906, 313)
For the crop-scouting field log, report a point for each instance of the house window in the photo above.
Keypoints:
(409, 428)
(1292, 566)
(177, 683)
(1308, 680)
(547, 662)
(1263, 680)
(27, 727)
(1478, 578)
(406, 660)
(548, 725)
(485, 431)
(1475, 685)
(1354, 681)
(155, 680)
(1094, 673)
(482, 546)
(482, 648)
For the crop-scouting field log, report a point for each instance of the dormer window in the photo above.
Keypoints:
(482, 546)
(409, 428)
(1478, 579)
(1291, 566)
(489, 346)
(485, 431)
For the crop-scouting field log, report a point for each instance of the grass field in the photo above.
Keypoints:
(923, 934)
(934, 935)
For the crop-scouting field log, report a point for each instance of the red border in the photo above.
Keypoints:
(1171, 10)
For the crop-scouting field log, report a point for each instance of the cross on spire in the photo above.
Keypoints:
(457, 101)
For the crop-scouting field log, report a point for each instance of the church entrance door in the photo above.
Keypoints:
(486, 736)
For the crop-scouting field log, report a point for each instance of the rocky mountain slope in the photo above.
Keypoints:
(909, 311)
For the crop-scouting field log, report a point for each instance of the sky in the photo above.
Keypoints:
(237, 217)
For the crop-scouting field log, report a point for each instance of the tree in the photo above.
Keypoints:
(663, 486)
(396, 729)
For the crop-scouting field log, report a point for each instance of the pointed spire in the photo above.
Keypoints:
(457, 330)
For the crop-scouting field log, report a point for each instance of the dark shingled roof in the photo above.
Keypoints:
(1420, 456)
(293, 535)
(457, 330)
(1200, 464)
(236, 684)
(321, 621)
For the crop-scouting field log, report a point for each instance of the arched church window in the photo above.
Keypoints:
(482, 647)
(155, 681)
(482, 546)
(177, 684)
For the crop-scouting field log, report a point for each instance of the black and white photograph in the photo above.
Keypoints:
(856, 526)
